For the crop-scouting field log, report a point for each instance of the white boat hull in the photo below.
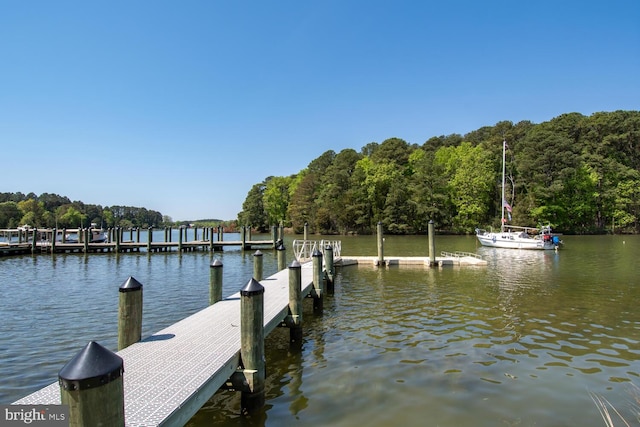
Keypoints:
(511, 240)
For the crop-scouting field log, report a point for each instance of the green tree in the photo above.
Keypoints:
(253, 212)
(276, 199)
(10, 214)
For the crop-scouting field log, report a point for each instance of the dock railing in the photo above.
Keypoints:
(303, 249)
(460, 254)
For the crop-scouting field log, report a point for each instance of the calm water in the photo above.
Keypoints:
(520, 342)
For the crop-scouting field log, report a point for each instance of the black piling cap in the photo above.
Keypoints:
(328, 248)
(295, 264)
(258, 253)
(280, 247)
(130, 285)
(252, 288)
(316, 253)
(216, 263)
(92, 367)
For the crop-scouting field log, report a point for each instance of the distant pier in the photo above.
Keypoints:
(91, 240)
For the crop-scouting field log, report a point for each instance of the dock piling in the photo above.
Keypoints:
(294, 319)
(328, 265)
(282, 256)
(257, 265)
(252, 345)
(215, 282)
(92, 385)
(380, 260)
(129, 313)
(432, 244)
(319, 288)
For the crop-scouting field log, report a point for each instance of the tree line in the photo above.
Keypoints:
(51, 210)
(580, 174)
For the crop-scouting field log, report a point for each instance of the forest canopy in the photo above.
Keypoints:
(580, 174)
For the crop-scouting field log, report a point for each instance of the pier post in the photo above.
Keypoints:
(129, 313)
(248, 233)
(380, 245)
(432, 244)
(137, 234)
(282, 256)
(257, 265)
(117, 233)
(130, 234)
(306, 231)
(149, 239)
(53, 241)
(281, 231)
(87, 239)
(33, 241)
(243, 237)
(92, 385)
(328, 265)
(170, 234)
(220, 233)
(294, 319)
(180, 239)
(64, 235)
(215, 282)
(274, 235)
(252, 345)
(318, 282)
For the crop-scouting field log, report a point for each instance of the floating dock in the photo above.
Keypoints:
(171, 374)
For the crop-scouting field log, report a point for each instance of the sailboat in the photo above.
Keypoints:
(515, 237)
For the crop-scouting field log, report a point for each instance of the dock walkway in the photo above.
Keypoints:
(171, 374)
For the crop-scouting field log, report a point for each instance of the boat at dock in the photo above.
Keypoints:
(513, 236)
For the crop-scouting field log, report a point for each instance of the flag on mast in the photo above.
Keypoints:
(506, 205)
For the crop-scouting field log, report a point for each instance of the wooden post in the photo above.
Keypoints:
(252, 344)
(92, 385)
(149, 239)
(328, 265)
(380, 245)
(243, 237)
(117, 233)
(180, 239)
(318, 282)
(33, 241)
(130, 234)
(220, 233)
(282, 256)
(432, 244)
(306, 231)
(215, 282)
(257, 265)
(87, 239)
(294, 320)
(281, 231)
(53, 242)
(129, 313)
(248, 233)
(137, 234)
(274, 235)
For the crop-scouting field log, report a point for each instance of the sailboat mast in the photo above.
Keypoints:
(504, 144)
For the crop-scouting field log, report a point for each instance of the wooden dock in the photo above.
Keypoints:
(48, 241)
(446, 259)
(171, 374)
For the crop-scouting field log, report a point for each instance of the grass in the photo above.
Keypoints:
(609, 413)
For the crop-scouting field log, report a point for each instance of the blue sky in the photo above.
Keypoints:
(181, 107)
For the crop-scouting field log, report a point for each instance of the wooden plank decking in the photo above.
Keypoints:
(171, 374)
